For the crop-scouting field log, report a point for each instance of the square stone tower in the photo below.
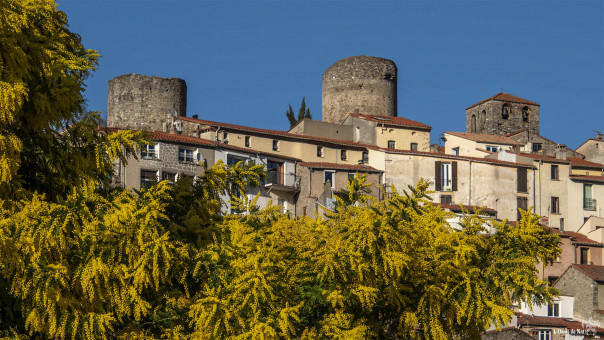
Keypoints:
(503, 114)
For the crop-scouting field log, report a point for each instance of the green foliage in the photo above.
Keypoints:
(303, 113)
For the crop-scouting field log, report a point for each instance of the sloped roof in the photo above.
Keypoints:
(575, 237)
(579, 162)
(596, 273)
(504, 97)
(583, 178)
(169, 137)
(274, 132)
(390, 120)
(447, 156)
(545, 321)
(484, 138)
(540, 157)
(339, 166)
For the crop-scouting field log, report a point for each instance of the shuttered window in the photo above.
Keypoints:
(522, 204)
(445, 176)
(522, 181)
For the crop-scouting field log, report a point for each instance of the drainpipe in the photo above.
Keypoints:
(470, 186)
(540, 200)
(217, 132)
(299, 185)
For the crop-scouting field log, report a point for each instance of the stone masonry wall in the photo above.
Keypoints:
(489, 118)
(145, 103)
(361, 84)
(584, 289)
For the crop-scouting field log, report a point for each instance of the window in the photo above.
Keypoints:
(537, 147)
(365, 157)
(149, 151)
(553, 309)
(505, 111)
(275, 145)
(446, 199)
(555, 205)
(185, 155)
(552, 279)
(225, 137)
(555, 172)
(522, 180)
(148, 177)
(545, 335)
(584, 256)
(274, 171)
(525, 114)
(445, 178)
(343, 155)
(329, 176)
(522, 203)
(588, 202)
(233, 160)
(391, 144)
(248, 141)
(455, 151)
(319, 151)
(473, 124)
(352, 176)
(493, 148)
(168, 176)
(413, 146)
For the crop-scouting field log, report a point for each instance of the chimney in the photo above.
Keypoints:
(561, 151)
(599, 136)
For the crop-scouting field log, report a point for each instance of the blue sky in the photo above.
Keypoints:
(244, 62)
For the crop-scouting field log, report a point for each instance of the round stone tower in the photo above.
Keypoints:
(361, 84)
(140, 102)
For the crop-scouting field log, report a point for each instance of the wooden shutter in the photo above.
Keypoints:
(454, 176)
(437, 176)
(522, 185)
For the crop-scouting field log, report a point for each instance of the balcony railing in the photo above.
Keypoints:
(589, 204)
(276, 178)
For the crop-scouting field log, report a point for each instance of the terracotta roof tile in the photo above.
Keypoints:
(483, 138)
(390, 120)
(274, 132)
(325, 165)
(549, 159)
(583, 178)
(169, 137)
(545, 321)
(504, 97)
(443, 155)
(579, 162)
(594, 272)
(575, 237)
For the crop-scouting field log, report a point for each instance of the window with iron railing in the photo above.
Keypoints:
(589, 204)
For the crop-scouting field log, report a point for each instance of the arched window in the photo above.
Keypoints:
(473, 124)
(505, 111)
(483, 120)
(525, 114)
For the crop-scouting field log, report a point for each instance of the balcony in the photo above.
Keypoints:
(281, 182)
(589, 204)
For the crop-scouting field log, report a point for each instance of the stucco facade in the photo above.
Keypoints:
(593, 149)
(319, 182)
(473, 181)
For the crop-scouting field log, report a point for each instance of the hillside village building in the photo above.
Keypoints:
(499, 165)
